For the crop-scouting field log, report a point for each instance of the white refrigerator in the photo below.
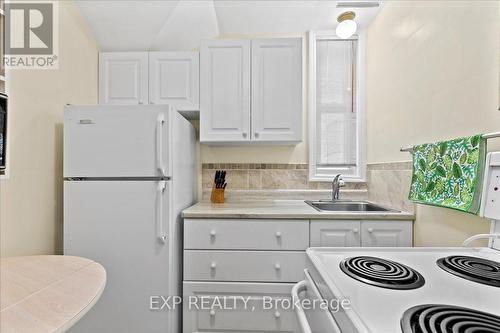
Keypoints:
(128, 173)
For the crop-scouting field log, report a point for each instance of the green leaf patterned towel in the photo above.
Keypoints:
(449, 173)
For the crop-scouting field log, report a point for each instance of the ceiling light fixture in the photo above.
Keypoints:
(347, 26)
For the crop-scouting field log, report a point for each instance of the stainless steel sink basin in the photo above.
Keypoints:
(347, 206)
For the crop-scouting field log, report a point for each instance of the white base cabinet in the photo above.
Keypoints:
(361, 233)
(261, 259)
(249, 307)
(386, 234)
(335, 233)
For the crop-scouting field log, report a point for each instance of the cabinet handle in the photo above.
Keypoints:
(141, 102)
(256, 134)
(213, 265)
(277, 266)
(244, 134)
(212, 313)
(277, 314)
(212, 233)
(278, 234)
(355, 230)
(370, 230)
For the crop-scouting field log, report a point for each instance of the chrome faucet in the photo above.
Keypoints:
(337, 183)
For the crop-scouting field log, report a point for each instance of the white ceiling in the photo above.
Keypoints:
(166, 25)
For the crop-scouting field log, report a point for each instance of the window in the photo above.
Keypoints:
(335, 110)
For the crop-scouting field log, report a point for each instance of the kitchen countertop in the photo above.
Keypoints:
(42, 294)
(282, 209)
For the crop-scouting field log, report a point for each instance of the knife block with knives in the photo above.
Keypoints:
(218, 187)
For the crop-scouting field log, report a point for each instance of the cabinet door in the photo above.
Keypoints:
(277, 90)
(174, 79)
(123, 78)
(225, 91)
(255, 316)
(386, 233)
(335, 233)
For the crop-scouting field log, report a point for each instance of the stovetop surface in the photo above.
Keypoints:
(376, 309)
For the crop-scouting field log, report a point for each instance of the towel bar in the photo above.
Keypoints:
(485, 136)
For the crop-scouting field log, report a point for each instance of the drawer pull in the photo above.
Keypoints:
(370, 230)
(212, 233)
(278, 234)
(277, 314)
(355, 230)
(212, 313)
(213, 265)
(277, 266)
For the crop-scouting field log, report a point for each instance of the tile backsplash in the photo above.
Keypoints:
(387, 183)
(272, 181)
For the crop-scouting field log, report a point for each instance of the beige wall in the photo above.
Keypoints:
(31, 198)
(432, 73)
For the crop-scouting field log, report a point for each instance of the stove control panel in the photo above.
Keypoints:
(490, 203)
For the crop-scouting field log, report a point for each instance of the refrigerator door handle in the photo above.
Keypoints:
(162, 237)
(159, 144)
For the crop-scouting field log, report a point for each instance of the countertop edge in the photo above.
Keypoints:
(319, 216)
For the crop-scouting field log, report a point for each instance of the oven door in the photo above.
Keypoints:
(311, 318)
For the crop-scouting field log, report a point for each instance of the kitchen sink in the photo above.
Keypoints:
(347, 206)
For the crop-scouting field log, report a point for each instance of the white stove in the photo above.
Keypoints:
(358, 275)
(408, 290)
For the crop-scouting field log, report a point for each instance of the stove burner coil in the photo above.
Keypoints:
(472, 268)
(434, 318)
(382, 273)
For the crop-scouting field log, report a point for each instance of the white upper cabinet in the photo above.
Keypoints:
(225, 91)
(150, 78)
(277, 89)
(174, 79)
(123, 78)
(251, 90)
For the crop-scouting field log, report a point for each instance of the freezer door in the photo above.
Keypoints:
(122, 225)
(116, 141)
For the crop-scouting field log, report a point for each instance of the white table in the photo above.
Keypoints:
(41, 294)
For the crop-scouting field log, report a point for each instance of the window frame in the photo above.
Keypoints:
(314, 173)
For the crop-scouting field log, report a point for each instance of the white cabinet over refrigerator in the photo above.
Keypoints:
(161, 78)
(129, 171)
(123, 78)
(174, 79)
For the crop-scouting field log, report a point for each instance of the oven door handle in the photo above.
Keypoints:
(301, 315)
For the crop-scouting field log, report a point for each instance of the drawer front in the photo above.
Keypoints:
(335, 233)
(262, 266)
(256, 316)
(386, 234)
(246, 234)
